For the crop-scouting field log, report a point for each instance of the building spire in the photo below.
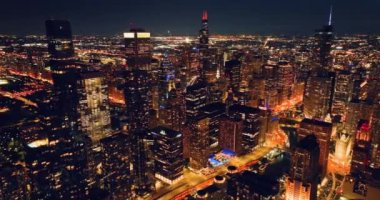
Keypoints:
(330, 16)
(204, 15)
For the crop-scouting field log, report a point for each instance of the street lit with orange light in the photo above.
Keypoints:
(193, 181)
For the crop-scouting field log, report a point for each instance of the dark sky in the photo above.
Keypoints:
(182, 17)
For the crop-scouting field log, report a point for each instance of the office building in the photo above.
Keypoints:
(318, 95)
(116, 161)
(233, 74)
(168, 155)
(199, 143)
(301, 184)
(231, 134)
(323, 132)
(138, 49)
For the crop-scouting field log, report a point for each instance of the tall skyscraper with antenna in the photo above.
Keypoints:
(323, 41)
(203, 33)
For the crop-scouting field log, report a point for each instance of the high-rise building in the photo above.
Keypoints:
(116, 162)
(286, 78)
(342, 94)
(60, 44)
(93, 106)
(173, 115)
(214, 111)
(196, 96)
(138, 49)
(204, 33)
(318, 95)
(323, 41)
(199, 143)
(357, 110)
(233, 74)
(231, 134)
(71, 143)
(264, 87)
(142, 172)
(375, 132)
(362, 148)
(323, 132)
(301, 184)
(166, 81)
(253, 132)
(137, 96)
(168, 155)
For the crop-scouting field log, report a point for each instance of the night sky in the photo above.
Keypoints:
(182, 17)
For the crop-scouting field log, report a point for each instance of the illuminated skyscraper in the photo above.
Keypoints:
(116, 162)
(142, 172)
(203, 33)
(137, 95)
(268, 96)
(323, 41)
(173, 115)
(93, 106)
(199, 143)
(285, 77)
(322, 131)
(253, 132)
(138, 49)
(362, 147)
(233, 74)
(342, 94)
(168, 155)
(357, 110)
(166, 82)
(70, 141)
(318, 95)
(60, 44)
(302, 181)
(231, 134)
(196, 96)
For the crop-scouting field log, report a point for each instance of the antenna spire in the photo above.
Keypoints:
(205, 15)
(330, 17)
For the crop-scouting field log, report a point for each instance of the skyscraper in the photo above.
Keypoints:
(204, 33)
(199, 143)
(93, 105)
(285, 77)
(196, 96)
(318, 95)
(231, 134)
(116, 162)
(168, 155)
(302, 181)
(342, 94)
(323, 132)
(323, 41)
(138, 97)
(60, 44)
(138, 49)
(70, 142)
(233, 74)
(166, 81)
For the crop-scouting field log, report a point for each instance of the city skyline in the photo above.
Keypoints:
(206, 117)
(159, 17)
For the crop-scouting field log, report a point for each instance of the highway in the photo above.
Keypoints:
(193, 181)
